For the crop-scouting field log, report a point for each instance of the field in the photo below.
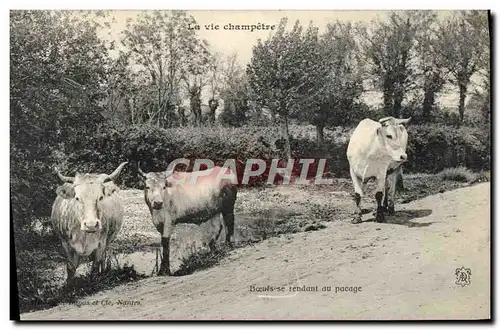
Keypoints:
(261, 213)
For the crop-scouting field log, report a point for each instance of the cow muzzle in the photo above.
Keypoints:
(400, 158)
(91, 226)
(157, 205)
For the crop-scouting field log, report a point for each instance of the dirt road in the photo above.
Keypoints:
(403, 269)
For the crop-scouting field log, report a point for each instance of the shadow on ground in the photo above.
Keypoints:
(405, 218)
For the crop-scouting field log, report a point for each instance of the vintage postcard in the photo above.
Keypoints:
(250, 165)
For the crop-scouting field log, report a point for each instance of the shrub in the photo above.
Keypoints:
(459, 174)
(38, 291)
(483, 176)
(202, 260)
(431, 148)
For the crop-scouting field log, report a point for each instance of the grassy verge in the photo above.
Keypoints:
(37, 290)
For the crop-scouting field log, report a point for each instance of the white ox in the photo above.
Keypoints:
(377, 150)
(87, 214)
(188, 197)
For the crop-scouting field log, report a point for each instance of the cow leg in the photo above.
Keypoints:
(390, 192)
(73, 260)
(215, 238)
(358, 192)
(399, 179)
(229, 198)
(379, 197)
(385, 202)
(165, 244)
(98, 262)
(165, 261)
(229, 222)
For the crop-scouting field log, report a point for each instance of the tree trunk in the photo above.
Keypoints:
(388, 98)
(388, 103)
(196, 110)
(288, 149)
(461, 102)
(429, 98)
(396, 107)
(320, 137)
(212, 104)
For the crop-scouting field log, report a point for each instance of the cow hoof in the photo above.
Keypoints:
(164, 272)
(356, 219)
(380, 217)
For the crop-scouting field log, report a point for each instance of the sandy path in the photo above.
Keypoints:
(405, 269)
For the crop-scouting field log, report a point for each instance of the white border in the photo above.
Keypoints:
(184, 4)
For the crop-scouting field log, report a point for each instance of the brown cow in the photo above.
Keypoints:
(188, 197)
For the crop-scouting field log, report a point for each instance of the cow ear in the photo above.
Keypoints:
(110, 189)
(387, 121)
(66, 191)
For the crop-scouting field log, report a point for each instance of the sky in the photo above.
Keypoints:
(228, 42)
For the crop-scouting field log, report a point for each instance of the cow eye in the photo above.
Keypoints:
(389, 136)
(78, 199)
(100, 198)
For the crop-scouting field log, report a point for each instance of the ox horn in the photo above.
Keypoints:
(403, 121)
(115, 174)
(64, 178)
(139, 170)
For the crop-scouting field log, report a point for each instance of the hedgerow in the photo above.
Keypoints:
(431, 148)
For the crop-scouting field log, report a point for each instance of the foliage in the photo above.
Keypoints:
(37, 292)
(284, 71)
(340, 80)
(202, 260)
(163, 52)
(236, 93)
(432, 147)
(430, 75)
(390, 51)
(463, 50)
(57, 67)
(460, 174)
